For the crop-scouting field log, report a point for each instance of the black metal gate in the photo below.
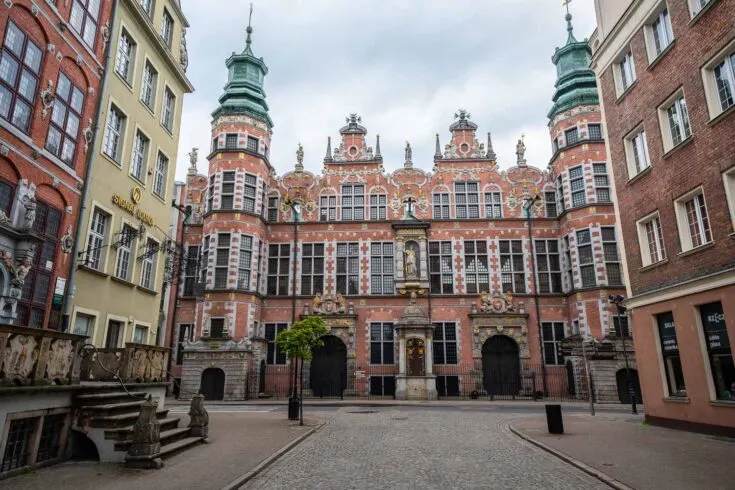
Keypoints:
(328, 373)
(501, 366)
(213, 384)
(624, 391)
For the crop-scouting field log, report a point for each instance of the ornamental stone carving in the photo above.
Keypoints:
(59, 360)
(47, 97)
(329, 305)
(20, 357)
(183, 53)
(497, 303)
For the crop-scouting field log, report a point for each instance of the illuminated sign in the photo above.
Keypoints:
(130, 205)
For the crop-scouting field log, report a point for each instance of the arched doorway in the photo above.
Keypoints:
(328, 373)
(213, 384)
(624, 389)
(501, 366)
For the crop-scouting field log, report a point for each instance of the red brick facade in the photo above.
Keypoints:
(41, 184)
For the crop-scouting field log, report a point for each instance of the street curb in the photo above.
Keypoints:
(603, 477)
(242, 480)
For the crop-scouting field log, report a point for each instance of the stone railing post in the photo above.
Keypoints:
(145, 449)
(199, 418)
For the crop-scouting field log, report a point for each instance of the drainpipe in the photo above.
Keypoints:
(69, 293)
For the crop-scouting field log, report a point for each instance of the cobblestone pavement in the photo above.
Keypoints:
(387, 448)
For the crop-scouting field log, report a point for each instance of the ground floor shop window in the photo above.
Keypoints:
(447, 385)
(18, 443)
(718, 350)
(670, 354)
(383, 385)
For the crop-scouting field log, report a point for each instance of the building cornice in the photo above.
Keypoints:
(685, 288)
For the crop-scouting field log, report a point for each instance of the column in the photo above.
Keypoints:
(402, 355)
(429, 356)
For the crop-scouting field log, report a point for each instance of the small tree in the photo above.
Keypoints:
(299, 342)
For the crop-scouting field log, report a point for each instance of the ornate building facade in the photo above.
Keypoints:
(435, 282)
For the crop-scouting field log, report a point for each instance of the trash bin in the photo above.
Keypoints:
(553, 419)
(293, 408)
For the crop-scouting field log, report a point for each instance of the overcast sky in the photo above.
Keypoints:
(405, 66)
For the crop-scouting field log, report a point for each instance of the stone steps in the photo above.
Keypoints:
(122, 420)
(113, 408)
(123, 433)
(89, 399)
(175, 447)
(168, 437)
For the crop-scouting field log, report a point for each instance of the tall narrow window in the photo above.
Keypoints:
(718, 349)
(168, 109)
(274, 354)
(112, 145)
(440, 267)
(594, 131)
(205, 259)
(552, 333)
(441, 205)
(612, 258)
(602, 184)
(327, 208)
(279, 258)
(550, 204)
(381, 268)
(21, 434)
(381, 343)
(167, 28)
(477, 274)
(273, 209)
(445, 343)
(353, 202)
(312, 269)
(244, 262)
(621, 327)
(252, 144)
(626, 69)
(148, 85)
(637, 149)
(724, 74)
(548, 265)
(512, 266)
(63, 129)
(661, 32)
(191, 269)
(186, 333)
(210, 193)
(678, 118)
(159, 178)
(586, 259)
(466, 200)
(571, 135)
(125, 57)
(125, 246)
(378, 204)
(227, 195)
(568, 262)
(139, 157)
(493, 205)
(148, 264)
(698, 5)
(697, 220)
(651, 240)
(249, 193)
(148, 9)
(670, 353)
(560, 194)
(84, 19)
(348, 268)
(7, 194)
(96, 240)
(576, 182)
(217, 328)
(222, 261)
(49, 444)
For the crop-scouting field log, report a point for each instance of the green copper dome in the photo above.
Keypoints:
(575, 81)
(244, 92)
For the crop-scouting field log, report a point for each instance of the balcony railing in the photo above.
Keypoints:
(134, 363)
(35, 357)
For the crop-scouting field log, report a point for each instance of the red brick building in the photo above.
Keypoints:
(352, 242)
(51, 65)
(666, 75)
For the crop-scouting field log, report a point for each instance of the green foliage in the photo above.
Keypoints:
(302, 338)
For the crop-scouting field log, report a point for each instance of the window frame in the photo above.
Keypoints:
(249, 192)
(621, 74)
(379, 256)
(245, 262)
(149, 264)
(544, 266)
(571, 136)
(509, 258)
(686, 240)
(228, 178)
(558, 358)
(311, 273)
(222, 250)
(442, 347)
(611, 262)
(669, 355)
(191, 271)
(96, 240)
(654, 235)
(728, 180)
(473, 277)
(708, 336)
(378, 204)
(666, 118)
(278, 277)
(139, 157)
(160, 175)
(67, 105)
(582, 190)
(126, 244)
(550, 204)
(328, 207)
(440, 201)
(167, 28)
(224, 333)
(494, 204)
(600, 187)
(467, 206)
(658, 33)
(583, 266)
(274, 355)
(715, 104)
(441, 273)
(273, 209)
(22, 68)
(168, 109)
(149, 88)
(634, 156)
(87, 15)
(125, 56)
(350, 208)
(114, 131)
(598, 129)
(351, 271)
(382, 345)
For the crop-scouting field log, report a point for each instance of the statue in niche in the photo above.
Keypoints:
(415, 353)
(30, 215)
(410, 260)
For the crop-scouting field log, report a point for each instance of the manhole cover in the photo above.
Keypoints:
(364, 411)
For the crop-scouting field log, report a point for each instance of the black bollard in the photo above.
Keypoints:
(554, 421)
(293, 408)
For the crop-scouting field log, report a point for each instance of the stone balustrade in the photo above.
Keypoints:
(35, 357)
(134, 363)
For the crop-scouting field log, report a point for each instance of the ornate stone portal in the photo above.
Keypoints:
(415, 379)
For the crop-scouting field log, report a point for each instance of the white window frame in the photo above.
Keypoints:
(658, 26)
(140, 327)
(125, 57)
(159, 175)
(728, 179)
(682, 221)
(636, 151)
(168, 109)
(493, 202)
(244, 262)
(148, 88)
(114, 130)
(167, 28)
(91, 324)
(124, 259)
(727, 56)
(621, 75)
(148, 6)
(696, 6)
(682, 120)
(96, 240)
(149, 264)
(644, 242)
(138, 158)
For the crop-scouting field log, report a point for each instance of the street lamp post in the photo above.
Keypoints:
(618, 300)
(528, 207)
(294, 401)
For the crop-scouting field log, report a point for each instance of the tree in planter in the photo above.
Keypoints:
(299, 342)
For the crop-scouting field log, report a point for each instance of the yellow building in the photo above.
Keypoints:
(123, 241)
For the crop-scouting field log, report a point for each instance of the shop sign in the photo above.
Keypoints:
(713, 321)
(667, 332)
(131, 205)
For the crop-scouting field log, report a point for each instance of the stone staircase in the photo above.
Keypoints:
(108, 420)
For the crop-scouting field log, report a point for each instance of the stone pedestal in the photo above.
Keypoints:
(415, 379)
(416, 387)
(145, 449)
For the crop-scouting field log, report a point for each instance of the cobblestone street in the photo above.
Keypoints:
(394, 448)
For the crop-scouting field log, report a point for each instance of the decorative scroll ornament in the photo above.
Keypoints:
(88, 133)
(105, 32)
(497, 303)
(183, 53)
(47, 98)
